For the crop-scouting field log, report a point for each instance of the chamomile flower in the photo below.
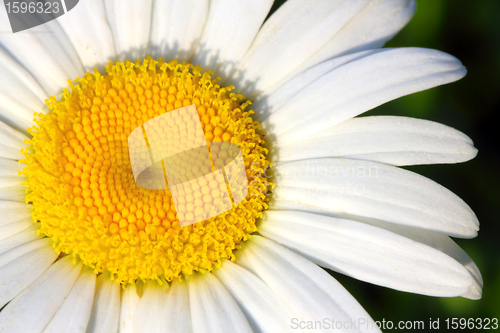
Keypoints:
(83, 248)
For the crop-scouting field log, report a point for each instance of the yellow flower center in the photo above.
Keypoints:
(82, 188)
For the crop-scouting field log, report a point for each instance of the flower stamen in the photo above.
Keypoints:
(81, 184)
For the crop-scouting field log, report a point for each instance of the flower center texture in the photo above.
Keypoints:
(81, 185)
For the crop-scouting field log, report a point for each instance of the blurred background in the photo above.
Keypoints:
(469, 30)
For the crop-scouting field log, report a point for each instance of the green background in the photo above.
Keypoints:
(469, 30)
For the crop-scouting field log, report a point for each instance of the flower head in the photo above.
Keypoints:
(83, 247)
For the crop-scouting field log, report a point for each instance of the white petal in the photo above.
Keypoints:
(7, 230)
(22, 265)
(33, 309)
(368, 253)
(11, 181)
(442, 243)
(385, 139)
(378, 22)
(346, 188)
(106, 308)
(12, 189)
(177, 313)
(267, 104)
(45, 51)
(476, 291)
(20, 97)
(23, 237)
(296, 31)
(10, 168)
(11, 142)
(11, 212)
(230, 29)
(303, 286)
(359, 86)
(11, 184)
(263, 310)
(73, 315)
(130, 300)
(130, 24)
(176, 28)
(87, 28)
(148, 316)
(213, 309)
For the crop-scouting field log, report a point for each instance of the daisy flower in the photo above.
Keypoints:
(84, 249)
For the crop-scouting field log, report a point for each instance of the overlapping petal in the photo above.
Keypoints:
(295, 32)
(45, 52)
(150, 311)
(22, 237)
(105, 314)
(439, 242)
(33, 256)
(263, 310)
(178, 312)
(87, 28)
(359, 86)
(130, 23)
(304, 287)
(129, 301)
(374, 25)
(213, 309)
(368, 253)
(20, 97)
(230, 29)
(351, 188)
(176, 28)
(11, 212)
(271, 102)
(392, 140)
(48, 292)
(11, 142)
(73, 315)
(11, 184)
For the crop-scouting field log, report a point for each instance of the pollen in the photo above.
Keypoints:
(81, 185)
